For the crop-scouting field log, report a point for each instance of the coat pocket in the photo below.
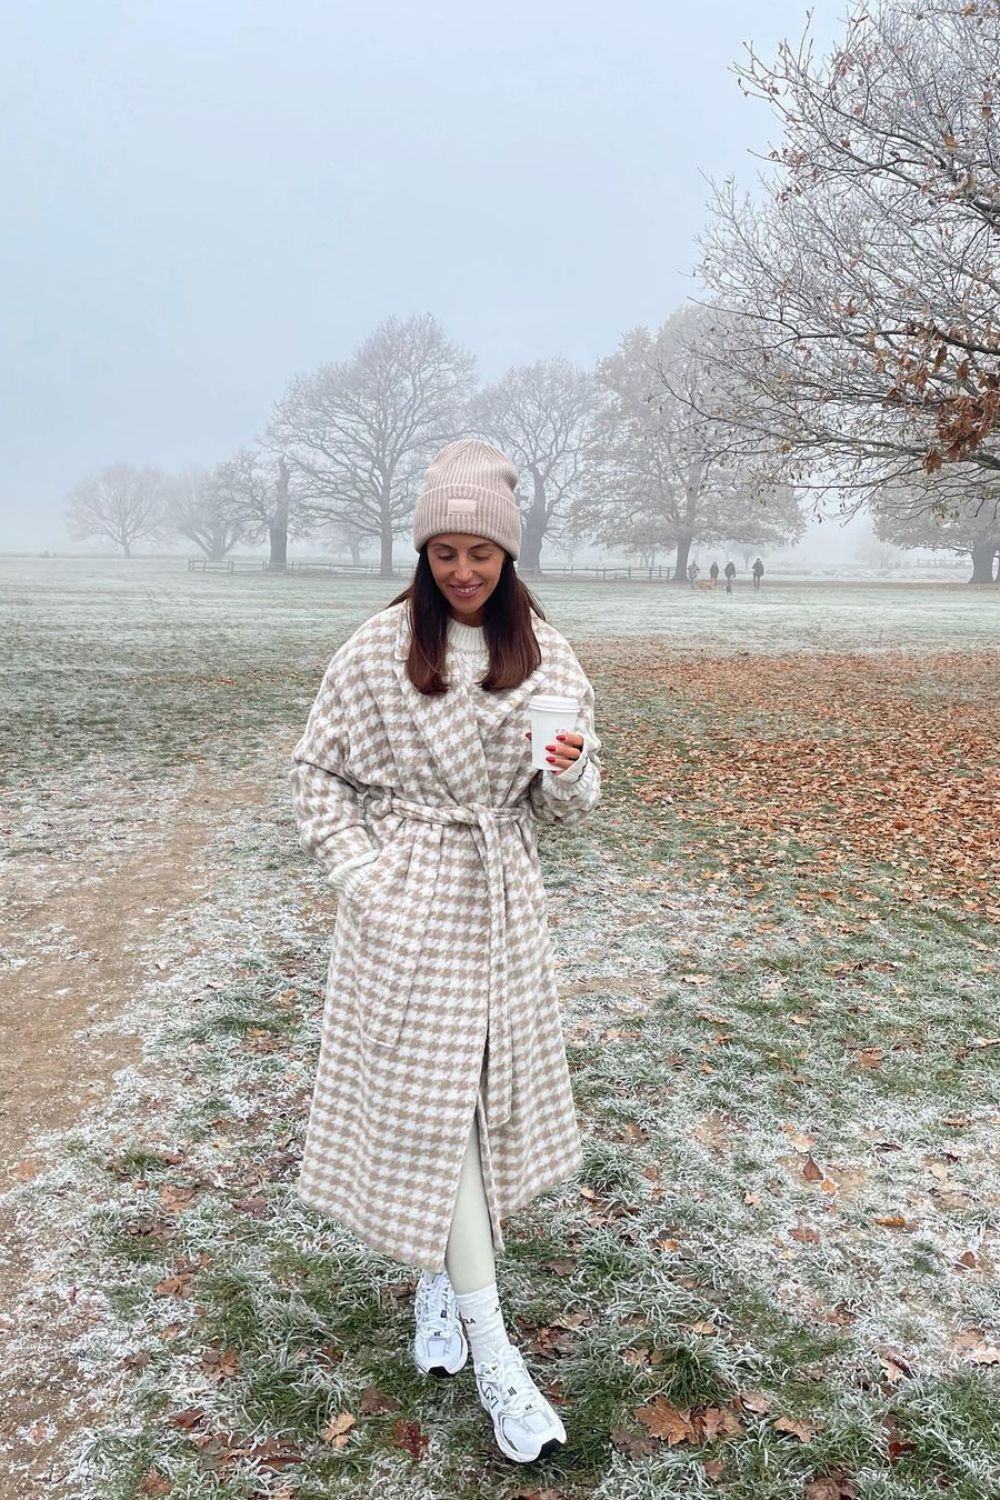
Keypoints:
(391, 917)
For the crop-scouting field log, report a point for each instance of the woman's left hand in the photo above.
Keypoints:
(567, 748)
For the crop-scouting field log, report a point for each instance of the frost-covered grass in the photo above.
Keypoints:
(761, 1080)
(108, 654)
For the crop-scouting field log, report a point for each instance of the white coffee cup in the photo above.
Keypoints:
(550, 715)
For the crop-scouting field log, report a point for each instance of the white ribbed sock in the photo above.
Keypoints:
(483, 1322)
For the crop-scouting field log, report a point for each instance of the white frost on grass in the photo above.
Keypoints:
(639, 948)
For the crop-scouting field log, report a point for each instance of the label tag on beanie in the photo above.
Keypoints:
(461, 508)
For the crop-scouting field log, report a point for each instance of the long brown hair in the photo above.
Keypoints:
(507, 630)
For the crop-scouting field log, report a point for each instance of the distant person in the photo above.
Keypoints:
(758, 573)
(693, 571)
(730, 575)
(713, 573)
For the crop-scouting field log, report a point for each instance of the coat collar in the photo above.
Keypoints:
(456, 739)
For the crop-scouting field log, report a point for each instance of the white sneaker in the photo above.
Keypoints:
(524, 1423)
(440, 1346)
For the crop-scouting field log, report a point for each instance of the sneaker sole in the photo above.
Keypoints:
(551, 1445)
(443, 1370)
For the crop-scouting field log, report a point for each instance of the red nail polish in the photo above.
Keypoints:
(550, 757)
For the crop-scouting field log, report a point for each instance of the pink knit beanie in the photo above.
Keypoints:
(470, 487)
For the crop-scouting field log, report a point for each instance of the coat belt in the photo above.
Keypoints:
(487, 819)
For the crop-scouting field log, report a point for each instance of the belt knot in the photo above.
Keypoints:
(486, 817)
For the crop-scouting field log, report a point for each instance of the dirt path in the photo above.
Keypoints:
(80, 936)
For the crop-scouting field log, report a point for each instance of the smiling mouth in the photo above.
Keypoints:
(465, 593)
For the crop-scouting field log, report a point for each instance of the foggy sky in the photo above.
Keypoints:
(204, 199)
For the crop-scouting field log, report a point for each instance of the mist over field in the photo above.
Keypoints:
(204, 201)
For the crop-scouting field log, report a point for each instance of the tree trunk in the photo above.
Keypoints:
(278, 529)
(355, 549)
(533, 529)
(385, 552)
(277, 562)
(982, 562)
(531, 553)
(680, 567)
(125, 547)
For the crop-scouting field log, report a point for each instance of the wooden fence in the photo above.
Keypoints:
(372, 570)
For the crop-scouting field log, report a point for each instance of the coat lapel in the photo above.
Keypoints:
(456, 739)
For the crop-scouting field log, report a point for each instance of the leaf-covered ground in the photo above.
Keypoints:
(776, 1273)
(889, 758)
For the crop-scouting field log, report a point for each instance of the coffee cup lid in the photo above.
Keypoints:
(554, 703)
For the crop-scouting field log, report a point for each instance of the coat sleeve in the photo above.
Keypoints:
(325, 797)
(567, 796)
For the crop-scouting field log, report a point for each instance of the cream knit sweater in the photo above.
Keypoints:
(466, 661)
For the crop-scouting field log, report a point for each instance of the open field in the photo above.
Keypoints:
(776, 1275)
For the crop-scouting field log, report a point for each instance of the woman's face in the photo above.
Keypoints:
(466, 569)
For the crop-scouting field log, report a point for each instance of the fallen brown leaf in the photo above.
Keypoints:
(665, 1421)
(174, 1197)
(188, 1418)
(220, 1364)
(718, 1422)
(755, 1402)
(373, 1402)
(632, 1444)
(173, 1286)
(336, 1431)
(408, 1435)
(803, 1430)
(154, 1483)
(830, 1487)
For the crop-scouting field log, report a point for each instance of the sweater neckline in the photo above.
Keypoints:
(465, 637)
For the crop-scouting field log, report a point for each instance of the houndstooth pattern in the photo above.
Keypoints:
(440, 994)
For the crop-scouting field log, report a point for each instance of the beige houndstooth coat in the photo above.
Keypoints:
(440, 994)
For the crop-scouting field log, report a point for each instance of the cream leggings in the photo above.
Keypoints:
(469, 1253)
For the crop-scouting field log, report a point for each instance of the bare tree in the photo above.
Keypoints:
(630, 487)
(863, 289)
(538, 415)
(660, 475)
(358, 434)
(195, 507)
(122, 503)
(253, 490)
(566, 545)
(646, 555)
(875, 553)
(341, 534)
(962, 518)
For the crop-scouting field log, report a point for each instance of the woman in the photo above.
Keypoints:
(443, 1100)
